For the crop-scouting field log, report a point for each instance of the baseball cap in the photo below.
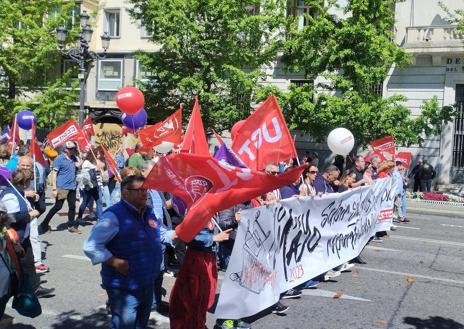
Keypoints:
(70, 145)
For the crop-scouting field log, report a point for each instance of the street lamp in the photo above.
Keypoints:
(81, 54)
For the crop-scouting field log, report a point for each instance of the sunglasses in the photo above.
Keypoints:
(313, 171)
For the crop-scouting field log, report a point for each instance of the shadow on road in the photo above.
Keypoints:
(75, 320)
(434, 322)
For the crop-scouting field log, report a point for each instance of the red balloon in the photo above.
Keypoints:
(236, 127)
(130, 99)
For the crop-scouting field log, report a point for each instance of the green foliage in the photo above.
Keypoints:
(28, 53)
(212, 48)
(218, 50)
(354, 55)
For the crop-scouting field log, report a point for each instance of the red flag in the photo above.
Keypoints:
(207, 186)
(35, 149)
(169, 130)
(380, 155)
(111, 163)
(264, 137)
(195, 138)
(68, 131)
(405, 157)
(87, 127)
(384, 145)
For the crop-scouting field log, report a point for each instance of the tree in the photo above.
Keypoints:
(28, 55)
(212, 48)
(354, 55)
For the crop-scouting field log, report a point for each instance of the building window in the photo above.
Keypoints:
(377, 89)
(301, 11)
(143, 74)
(3, 78)
(113, 22)
(110, 74)
(73, 17)
(68, 65)
(144, 34)
(302, 82)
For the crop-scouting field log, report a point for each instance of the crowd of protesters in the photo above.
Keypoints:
(134, 237)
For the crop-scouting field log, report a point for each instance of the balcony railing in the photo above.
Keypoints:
(433, 36)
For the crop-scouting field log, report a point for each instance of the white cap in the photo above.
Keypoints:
(70, 145)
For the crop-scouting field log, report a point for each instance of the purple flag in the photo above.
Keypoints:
(5, 175)
(223, 153)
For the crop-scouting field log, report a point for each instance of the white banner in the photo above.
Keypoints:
(281, 246)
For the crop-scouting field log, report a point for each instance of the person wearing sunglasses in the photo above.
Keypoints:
(126, 242)
(307, 186)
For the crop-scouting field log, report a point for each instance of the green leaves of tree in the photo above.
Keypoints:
(219, 50)
(28, 56)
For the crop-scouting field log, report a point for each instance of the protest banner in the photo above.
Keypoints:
(405, 157)
(87, 128)
(109, 134)
(283, 245)
(68, 131)
(169, 130)
(264, 137)
(385, 145)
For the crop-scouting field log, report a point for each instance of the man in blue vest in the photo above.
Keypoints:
(126, 241)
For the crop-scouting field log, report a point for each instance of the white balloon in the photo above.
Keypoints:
(164, 147)
(340, 141)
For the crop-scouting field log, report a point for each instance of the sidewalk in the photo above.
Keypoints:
(436, 208)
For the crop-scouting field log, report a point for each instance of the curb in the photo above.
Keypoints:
(458, 213)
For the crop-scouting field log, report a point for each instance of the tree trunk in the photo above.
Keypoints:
(11, 88)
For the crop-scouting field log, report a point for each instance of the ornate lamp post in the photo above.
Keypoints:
(81, 54)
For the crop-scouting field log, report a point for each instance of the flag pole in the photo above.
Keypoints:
(19, 193)
(216, 224)
(14, 136)
(33, 153)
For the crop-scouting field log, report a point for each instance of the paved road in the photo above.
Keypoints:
(415, 279)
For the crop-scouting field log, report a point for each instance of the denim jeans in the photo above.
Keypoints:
(35, 241)
(130, 309)
(88, 196)
(404, 205)
(157, 292)
(105, 194)
(224, 253)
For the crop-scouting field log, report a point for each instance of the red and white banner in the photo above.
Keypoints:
(87, 127)
(264, 137)
(169, 130)
(385, 145)
(207, 186)
(382, 158)
(68, 131)
(405, 157)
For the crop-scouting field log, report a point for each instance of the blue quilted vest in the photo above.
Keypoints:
(138, 241)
